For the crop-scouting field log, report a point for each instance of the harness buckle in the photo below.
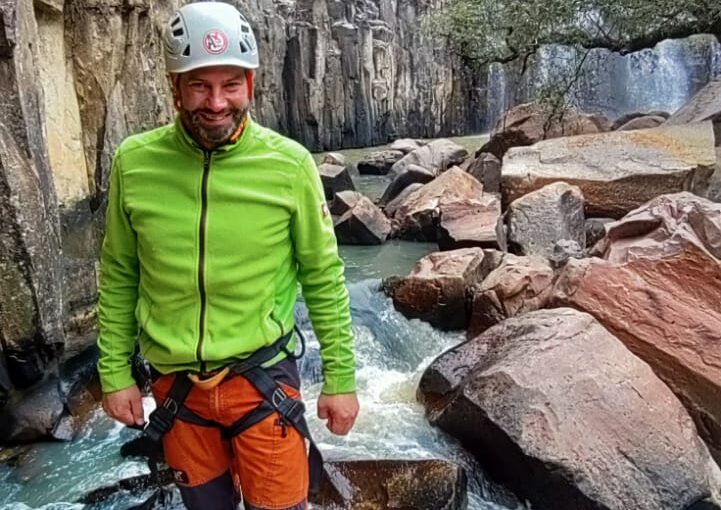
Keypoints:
(171, 405)
(279, 396)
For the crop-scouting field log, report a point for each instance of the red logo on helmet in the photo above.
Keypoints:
(215, 42)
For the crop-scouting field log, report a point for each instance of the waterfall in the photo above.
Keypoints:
(659, 78)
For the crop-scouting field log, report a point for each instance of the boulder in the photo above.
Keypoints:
(379, 162)
(344, 201)
(616, 171)
(486, 168)
(515, 285)
(435, 289)
(335, 178)
(705, 105)
(658, 289)
(392, 206)
(334, 158)
(595, 230)
(563, 250)
(417, 217)
(34, 415)
(643, 122)
(538, 220)
(386, 484)
(469, 223)
(628, 117)
(412, 174)
(557, 409)
(437, 156)
(529, 123)
(406, 145)
(364, 223)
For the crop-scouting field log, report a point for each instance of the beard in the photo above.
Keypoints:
(211, 137)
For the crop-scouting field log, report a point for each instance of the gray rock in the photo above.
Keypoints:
(705, 105)
(616, 171)
(30, 256)
(538, 220)
(335, 178)
(486, 168)
(559, 410)
(436, 156)
(344, 201)
(624, 119)
(406, 145)
(379, 162)
(565, 249)
(335, 158)
(469, 223)
(595, 230)
(34, 415)
(412, 174)
(364, 223)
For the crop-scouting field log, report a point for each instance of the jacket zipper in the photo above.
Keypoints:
(201, 259)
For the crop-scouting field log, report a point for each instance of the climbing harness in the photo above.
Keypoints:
(275, 400)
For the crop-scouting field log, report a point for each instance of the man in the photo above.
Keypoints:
(211, 223)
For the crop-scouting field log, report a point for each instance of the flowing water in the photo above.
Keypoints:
(392, 353)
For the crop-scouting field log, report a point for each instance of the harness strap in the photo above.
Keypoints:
(161, 419)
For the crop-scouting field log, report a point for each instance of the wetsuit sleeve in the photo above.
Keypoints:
(320, 271)
(118, 293)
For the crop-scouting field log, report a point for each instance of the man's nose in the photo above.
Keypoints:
(217, 100)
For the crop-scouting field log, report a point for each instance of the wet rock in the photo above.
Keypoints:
(364, 224)
(411, 175)
(437, 156)
(417, 217)
(557, 409)
(616, 171)
(406, 145)
(515, 285)
(335, 178)
(486, 168)
(705, 105)
(435, 289)
(390, 484)
(33, 414)
(392, 206)
(469, 223)
(595, 230)
(538, 220)
(379, 162)
(643, 122)
(529, 123)
(344, 201)
(658, 291)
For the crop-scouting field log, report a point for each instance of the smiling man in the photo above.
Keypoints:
(212, 222)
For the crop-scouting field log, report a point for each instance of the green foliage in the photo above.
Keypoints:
(483, 31)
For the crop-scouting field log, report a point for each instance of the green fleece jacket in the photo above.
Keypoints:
(204, 250)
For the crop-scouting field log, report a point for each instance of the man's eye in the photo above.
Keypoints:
(233, 85)
(197, 86)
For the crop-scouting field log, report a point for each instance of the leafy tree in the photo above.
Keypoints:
(484, 31)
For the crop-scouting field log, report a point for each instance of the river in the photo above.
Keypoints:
(392, 353)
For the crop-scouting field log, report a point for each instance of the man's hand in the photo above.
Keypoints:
(125, 405)
(340, 411)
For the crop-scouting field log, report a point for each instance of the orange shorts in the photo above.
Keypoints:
(268, 462)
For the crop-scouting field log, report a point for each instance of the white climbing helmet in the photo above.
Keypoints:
(206, 34)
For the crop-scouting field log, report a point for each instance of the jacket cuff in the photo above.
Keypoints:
(116, 381)
(337, 384)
